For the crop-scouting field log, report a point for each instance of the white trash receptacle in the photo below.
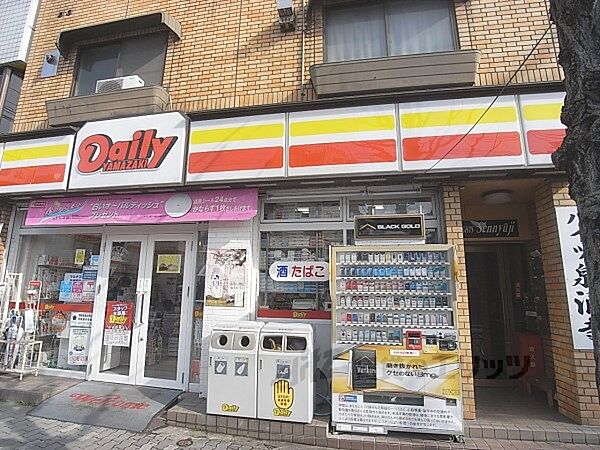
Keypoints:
(232, 369)
(285, 372)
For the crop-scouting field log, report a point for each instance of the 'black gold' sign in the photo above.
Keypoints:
(389, 227)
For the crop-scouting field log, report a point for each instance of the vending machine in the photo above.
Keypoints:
(395, 340)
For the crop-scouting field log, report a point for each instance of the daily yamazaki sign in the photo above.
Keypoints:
(133, 151)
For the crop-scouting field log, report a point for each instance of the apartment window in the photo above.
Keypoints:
(141, 55)
(13, 80)
(388, 28)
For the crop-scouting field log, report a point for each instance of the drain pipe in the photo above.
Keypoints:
(302, 57)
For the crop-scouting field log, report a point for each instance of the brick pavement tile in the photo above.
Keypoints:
(526, 434)
(565, 436)
(333, 442)
(475, 432)
(539, 435)
(551, 435)
(264, 426)
(488, 433)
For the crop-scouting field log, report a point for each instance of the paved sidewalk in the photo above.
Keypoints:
(19, 431)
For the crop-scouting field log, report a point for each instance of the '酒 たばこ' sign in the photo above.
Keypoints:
(299, 271)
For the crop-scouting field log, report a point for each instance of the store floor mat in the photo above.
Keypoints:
(108, 405)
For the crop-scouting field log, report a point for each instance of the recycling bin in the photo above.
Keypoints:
(285, 372)
(232, 369)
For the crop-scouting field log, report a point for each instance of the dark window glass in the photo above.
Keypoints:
(9, 109)
(143, 56)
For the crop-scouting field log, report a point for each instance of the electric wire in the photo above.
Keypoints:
(512, 77)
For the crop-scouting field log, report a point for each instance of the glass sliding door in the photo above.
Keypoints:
(122, 294)
(162, 318)
(145, 304)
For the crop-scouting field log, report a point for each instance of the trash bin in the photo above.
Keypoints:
(232, 369)
(285, 372)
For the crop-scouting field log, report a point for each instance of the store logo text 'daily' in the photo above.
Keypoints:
(146, 151)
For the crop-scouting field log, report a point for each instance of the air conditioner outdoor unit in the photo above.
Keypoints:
(117, 84)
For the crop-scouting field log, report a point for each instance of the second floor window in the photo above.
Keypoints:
(388, 28)
(141, 55)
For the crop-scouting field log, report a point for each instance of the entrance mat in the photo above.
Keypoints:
(107, 405)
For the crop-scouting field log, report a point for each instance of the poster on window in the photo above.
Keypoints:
(389, 387)
(168, 264)
(79, 339)
(226, 277)
(118, 323)
(575, 277)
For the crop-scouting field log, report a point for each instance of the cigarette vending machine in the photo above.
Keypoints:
(395, 340)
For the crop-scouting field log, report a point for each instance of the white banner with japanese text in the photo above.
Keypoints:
(575, 277)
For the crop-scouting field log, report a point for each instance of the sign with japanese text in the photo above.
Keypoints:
(226, 277)
(299, 271)
(133, 151)
(118, 323)
(232, 204)
(575, 277)
(78, 346)
(378, 386)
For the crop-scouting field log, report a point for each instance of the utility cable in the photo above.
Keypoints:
(462, 138)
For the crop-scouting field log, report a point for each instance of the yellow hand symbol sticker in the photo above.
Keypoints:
(283, 394)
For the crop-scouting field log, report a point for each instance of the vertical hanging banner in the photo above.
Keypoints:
(575, 277)
(226, 277)
(118, 323)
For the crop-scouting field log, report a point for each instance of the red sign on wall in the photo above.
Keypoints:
(118, 323)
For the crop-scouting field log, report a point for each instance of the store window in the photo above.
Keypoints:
(141, 55)
(295, 246)
(67, 266)
(306, 211)
(388, 28)
(299, 231)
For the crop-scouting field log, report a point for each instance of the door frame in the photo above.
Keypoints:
(99, 311)
(146, 234)
(186, 313)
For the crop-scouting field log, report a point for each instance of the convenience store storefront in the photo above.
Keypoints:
(304, 176)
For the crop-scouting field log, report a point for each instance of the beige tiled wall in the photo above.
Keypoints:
(576, 391)
(454, 236)
(233, 53)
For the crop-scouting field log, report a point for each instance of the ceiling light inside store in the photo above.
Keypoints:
(497, 197)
